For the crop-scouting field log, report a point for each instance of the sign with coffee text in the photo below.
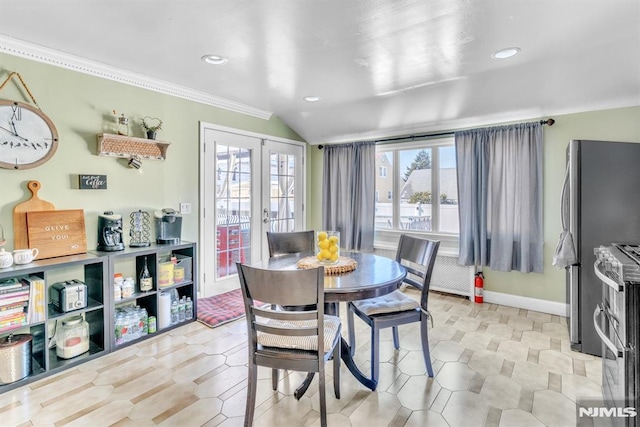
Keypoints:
(92, 182)
(57, 233)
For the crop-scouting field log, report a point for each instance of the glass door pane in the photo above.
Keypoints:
(233, 208)
(283, 201)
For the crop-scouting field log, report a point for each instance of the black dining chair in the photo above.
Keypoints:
(295, 340)
(291, 242)
(418, 256)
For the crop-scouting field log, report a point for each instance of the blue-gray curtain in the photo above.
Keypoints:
(348, 196)
(500, 197)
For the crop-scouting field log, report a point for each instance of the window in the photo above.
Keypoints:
(383, 172)
(423, 178)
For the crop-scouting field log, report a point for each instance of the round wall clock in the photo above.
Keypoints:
(28, 137)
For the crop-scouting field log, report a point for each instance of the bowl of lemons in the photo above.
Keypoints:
(328, 247)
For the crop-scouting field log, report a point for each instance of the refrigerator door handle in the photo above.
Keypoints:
(574, 333)
(563, 200)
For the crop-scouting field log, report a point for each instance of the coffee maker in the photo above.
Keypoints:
(168, 226)
(110, 232)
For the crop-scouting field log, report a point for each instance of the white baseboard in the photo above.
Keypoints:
(543, 306)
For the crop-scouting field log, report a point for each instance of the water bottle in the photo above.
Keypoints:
(119, 326)
(144, 321)
(182, 305)
(174, 312)
(188, 312)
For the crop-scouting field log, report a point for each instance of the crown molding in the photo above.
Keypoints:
(45, 55)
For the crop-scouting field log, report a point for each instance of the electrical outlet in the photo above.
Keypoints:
(185, 208)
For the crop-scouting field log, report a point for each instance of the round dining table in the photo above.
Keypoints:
(373, 276)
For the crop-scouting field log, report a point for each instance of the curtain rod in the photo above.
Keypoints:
(548, 122)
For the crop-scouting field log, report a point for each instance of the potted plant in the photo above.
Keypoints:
(151, 125)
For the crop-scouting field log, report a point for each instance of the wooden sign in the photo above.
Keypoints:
(57, 233)
(92, 182)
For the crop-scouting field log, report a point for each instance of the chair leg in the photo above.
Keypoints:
(336, 370)
(251, 395)
(323, 399)
(396, 338)
(351, 330)
(375, 353)
(424, 332)
(274, 379)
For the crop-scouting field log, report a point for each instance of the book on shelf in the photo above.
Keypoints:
(20, 288)
(12, 309)
(19, 320)
(10, 284)
(37, 300)
(8, 299)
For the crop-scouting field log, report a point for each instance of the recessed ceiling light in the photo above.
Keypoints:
(214, 59)
(506, 53)
(311, 98)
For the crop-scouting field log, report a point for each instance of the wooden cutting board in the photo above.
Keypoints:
(20, 235)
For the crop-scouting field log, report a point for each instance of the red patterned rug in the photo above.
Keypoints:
(220, 309)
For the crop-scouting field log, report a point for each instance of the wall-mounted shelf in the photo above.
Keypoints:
(129, 146)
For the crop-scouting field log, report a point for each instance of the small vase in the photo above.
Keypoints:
(151, 134)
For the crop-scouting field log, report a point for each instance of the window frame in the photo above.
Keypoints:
(385, 235)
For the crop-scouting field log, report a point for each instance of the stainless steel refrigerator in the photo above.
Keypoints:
(601, 205)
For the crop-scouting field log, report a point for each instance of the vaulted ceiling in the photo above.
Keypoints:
(381, 68)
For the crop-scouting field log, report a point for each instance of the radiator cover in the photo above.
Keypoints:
(447, 275)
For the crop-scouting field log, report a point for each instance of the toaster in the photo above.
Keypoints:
(69, 295)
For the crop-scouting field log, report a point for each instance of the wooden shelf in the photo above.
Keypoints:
(129, 146)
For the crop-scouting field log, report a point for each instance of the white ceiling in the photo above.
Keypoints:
(382, 68)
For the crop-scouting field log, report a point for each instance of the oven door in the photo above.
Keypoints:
(613, 356)
(608, 321)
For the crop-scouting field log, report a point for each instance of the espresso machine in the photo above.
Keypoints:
(110, 232)
(168, 226)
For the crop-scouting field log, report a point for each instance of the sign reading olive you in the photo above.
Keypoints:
(57, 233)
(92, 182)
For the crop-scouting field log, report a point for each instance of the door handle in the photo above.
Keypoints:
(596, 317)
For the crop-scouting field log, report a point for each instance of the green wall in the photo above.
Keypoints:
(80, 105)
(608, 125)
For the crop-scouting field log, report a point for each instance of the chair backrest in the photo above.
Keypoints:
(303, 288)
(418, 256)
(290, 242)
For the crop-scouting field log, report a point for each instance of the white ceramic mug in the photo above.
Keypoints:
(24, 256)
(6, 260)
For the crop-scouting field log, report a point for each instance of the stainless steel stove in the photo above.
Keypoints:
(617, 323)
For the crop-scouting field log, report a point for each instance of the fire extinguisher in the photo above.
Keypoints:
(479, 287)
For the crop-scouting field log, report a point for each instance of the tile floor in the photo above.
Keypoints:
(494, 365)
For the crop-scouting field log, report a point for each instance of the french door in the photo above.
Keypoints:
(249, 185)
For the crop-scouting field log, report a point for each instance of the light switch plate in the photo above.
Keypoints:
(185, 208)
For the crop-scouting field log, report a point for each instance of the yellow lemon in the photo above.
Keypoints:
(333, 249)
(323, 244)
(319, 256)
(334, 257)
(333, 239)
(322, 235)
(325, 254)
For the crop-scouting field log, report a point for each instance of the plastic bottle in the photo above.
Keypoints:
(174, 312)
(188, 312)
(117, 286)
(182, 305)
(128, 287)
(144, 321)
(119, 326)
